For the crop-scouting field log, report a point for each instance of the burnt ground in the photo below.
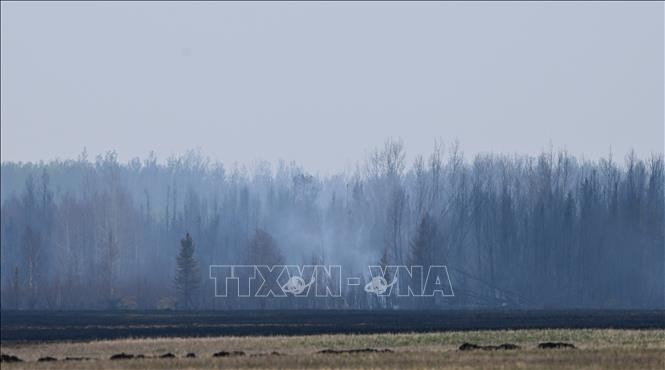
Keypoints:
(33, 326)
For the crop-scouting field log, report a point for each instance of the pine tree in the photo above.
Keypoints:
(187, 274)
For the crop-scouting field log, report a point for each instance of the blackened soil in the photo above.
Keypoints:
(27, 326)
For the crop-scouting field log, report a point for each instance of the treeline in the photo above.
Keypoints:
(550, 231)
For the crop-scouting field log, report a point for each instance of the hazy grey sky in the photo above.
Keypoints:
(320, 83)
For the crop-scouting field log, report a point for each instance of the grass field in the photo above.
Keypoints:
(596, 349)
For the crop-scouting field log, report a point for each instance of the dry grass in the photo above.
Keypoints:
(597, 349)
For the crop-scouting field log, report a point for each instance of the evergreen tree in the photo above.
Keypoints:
(187, 274)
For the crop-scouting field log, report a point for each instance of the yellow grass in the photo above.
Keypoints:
(597, 349)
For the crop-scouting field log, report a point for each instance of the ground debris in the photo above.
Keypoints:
(225, 353)
(76, 358)
(9, 358)
(555, 345)
(122, 356)
(507, 346)
(47, 359)
(355, 350)
(469, 347)
(167, 355)
(273, 353)
(472, 346)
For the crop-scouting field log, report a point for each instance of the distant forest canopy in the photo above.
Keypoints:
(546, 231)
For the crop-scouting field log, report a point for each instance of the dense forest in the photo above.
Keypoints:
(546, 231)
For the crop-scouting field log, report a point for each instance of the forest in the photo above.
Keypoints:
(515, 231)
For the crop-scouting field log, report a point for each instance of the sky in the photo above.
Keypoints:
(323, 83)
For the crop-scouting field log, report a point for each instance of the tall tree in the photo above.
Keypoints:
(187, 274)
(109, 262)
(262, 250)
(423, 247)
